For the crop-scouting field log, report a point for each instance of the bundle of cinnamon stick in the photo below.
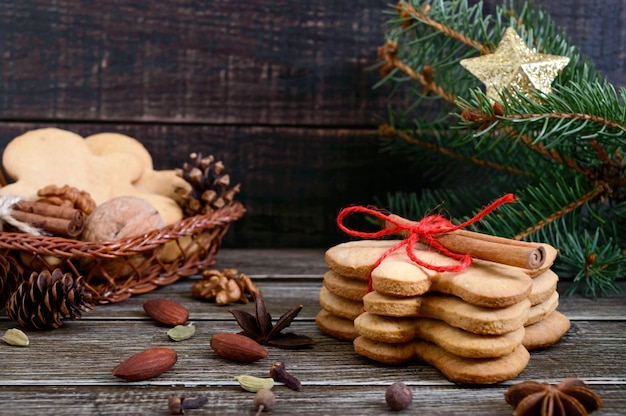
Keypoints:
(53, 219)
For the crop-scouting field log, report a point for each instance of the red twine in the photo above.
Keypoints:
(423, 231)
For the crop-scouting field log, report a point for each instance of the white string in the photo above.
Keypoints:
(6, 207)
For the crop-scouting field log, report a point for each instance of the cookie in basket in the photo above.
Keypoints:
(53, 156)
(42, 157)
(151, 181)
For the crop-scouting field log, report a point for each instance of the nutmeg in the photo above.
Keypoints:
(398, 396)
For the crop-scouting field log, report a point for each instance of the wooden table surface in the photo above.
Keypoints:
(68, 371)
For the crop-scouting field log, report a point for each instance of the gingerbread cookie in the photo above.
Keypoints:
(455, 368)
(338, 306)
(454, 340)
(547, 331)
(355, 258)
(335, 326)
(52, 156)
(347, 288)
(397, 275)
(544, 285)
(452, 310)
(151, 181)
(543, 309)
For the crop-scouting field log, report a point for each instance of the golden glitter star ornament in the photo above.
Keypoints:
(514, 65)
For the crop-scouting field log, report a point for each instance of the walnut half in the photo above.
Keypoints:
(224, 287)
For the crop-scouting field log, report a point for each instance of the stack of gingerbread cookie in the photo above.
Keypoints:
(475, 326)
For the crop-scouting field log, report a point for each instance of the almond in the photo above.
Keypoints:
(237, 347)
(146, 364)
(166, 311)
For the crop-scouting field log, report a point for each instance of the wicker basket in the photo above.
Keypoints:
(115, 270)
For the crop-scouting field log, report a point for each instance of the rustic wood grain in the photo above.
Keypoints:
(68, 371)
(219, 62)
(86, 351)
(186, 61)
(598, 30)
(346, 400)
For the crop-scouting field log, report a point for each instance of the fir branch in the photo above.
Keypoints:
(406, 12)
(567, 116)
(569, 208)
(388, 131)
(389, 52)
(551, 197)
(561, 153)
(593, 263)
(492, 119)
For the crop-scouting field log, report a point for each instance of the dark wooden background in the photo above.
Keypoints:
(279, 90)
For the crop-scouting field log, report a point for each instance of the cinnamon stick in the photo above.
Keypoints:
(527, 255)
(531, 256)
(48, 210)
(54, 219)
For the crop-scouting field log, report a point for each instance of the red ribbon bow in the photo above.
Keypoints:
(423, 231)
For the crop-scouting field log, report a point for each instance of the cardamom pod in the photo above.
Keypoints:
(15, 337)
(254, 384)
(181, 332)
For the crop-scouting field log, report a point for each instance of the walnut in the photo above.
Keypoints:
(115, 219)
(121, 217)
(224, 287)
(67, 196)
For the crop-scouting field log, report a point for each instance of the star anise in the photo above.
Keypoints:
(260, 327)
(570, 397)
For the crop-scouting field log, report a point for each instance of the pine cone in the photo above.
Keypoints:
(41, 301)
(11, 275)
(210, 186)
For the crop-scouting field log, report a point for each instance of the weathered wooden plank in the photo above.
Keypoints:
(315, 400)
(274, 262)
(588, 31)
(217, 62)
(194, 62)
(68, 370)
(285, 293)
(85, 352)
